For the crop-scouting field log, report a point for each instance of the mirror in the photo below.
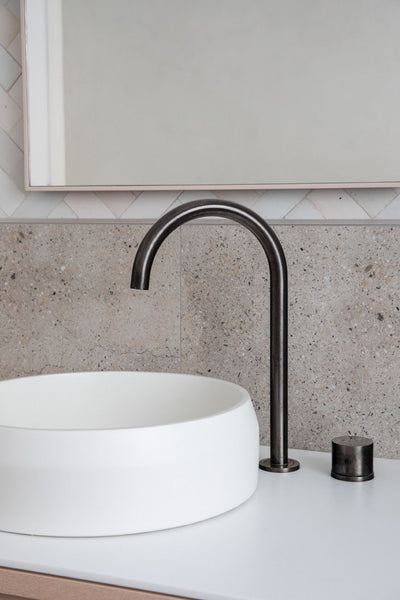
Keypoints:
(213, 94)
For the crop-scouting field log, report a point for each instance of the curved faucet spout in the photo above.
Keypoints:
(279, 461)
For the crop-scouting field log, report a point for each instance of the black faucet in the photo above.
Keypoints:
(279, 461)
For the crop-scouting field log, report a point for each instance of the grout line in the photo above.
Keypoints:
(362, 207)
(180, 299)
(200, 222)
(286, 217)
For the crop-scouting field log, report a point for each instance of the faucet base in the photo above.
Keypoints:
(266, 465)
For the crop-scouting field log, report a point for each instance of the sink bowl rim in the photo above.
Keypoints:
(243, 395)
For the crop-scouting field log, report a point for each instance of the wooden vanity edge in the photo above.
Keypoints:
(15, 583)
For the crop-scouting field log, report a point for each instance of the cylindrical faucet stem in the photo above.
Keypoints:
(279, 461)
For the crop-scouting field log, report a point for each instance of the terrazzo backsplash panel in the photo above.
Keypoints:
(344, 326)
(66, 306)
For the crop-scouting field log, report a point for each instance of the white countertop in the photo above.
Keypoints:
(302, 536)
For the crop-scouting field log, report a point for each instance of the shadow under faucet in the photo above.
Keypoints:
(279, 461)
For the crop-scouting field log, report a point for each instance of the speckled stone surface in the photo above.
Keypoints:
(344, 326)
(66, 304)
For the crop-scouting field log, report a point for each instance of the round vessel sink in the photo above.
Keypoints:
(108, 453)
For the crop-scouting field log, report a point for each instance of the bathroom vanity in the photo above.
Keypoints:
(305, 536)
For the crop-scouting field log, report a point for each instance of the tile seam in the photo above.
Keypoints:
(287, 222)
(180, 299)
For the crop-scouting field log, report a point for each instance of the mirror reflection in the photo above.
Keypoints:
(216, 94)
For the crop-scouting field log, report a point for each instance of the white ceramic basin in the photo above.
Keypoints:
(107, 453)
